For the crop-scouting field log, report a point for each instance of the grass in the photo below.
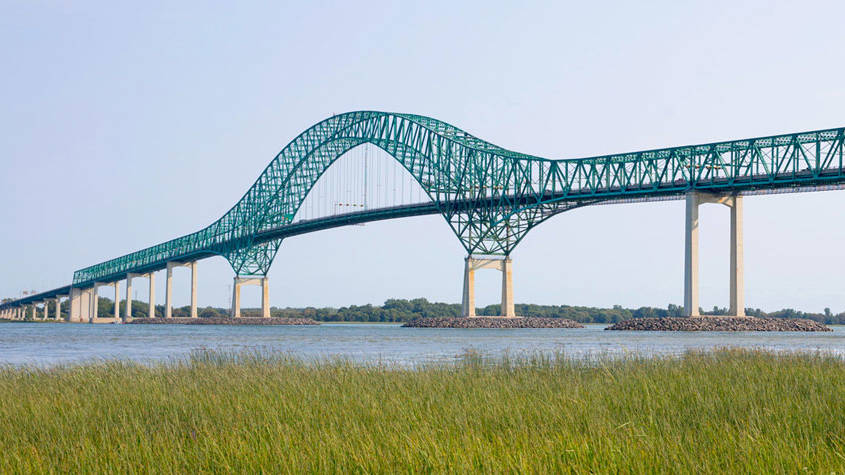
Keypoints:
(725, 411)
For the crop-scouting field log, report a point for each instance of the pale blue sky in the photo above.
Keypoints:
(124, 126)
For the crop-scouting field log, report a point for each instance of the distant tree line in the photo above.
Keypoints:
(401, 310)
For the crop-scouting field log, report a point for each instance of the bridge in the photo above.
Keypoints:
(490, 197)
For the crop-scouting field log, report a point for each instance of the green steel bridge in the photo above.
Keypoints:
(489, 196)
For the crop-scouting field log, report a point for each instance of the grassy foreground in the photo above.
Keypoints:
(728, 411)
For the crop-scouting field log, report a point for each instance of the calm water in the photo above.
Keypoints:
(47, 344)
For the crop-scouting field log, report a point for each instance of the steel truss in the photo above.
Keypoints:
(490, 197)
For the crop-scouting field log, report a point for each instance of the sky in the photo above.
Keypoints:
(125, 124)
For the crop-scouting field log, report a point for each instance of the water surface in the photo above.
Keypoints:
(48, 344)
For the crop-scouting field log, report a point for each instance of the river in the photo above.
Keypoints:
(46, 344)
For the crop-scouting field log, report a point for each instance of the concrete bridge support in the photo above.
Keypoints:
(503, 264)
(127, 314)
(168, 308)
(152, 306)
(95, 302)
(116, 300)
(168, 291)
(151, 313)
(81, 304)
(691, 283)
(58, 307)
(265, 294)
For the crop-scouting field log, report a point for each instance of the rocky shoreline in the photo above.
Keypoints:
(492, 322)
(224, 321)
(721, 324)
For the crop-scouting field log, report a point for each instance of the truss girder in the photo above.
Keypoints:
(491, 197)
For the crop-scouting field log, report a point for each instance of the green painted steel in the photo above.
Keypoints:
(491, 197)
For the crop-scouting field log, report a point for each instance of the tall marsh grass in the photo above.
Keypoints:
(724, 411)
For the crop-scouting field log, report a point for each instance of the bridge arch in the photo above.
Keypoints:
(490, 197)
(467, 179)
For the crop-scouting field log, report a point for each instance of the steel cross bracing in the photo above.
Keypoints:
(491, 197)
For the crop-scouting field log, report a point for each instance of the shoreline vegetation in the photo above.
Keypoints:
(726, 411)
(401, 311)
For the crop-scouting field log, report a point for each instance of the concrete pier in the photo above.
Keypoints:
(168, 308)
(503, 264)
(152, 308)
(507, 288)
(737, 302)
(691, 256)
(691, 284)
(194, 313)
(73, 305)
(95, 303)
(168, 291)
(468, 300)
(127, 314)
(152, 304)
(116, 300)
(264, 282)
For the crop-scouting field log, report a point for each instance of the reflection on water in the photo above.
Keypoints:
(47, 344)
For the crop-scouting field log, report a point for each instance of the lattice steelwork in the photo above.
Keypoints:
(491, 197)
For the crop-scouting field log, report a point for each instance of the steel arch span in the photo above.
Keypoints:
(490, 197)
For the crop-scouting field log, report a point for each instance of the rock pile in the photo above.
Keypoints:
(226, 321)
(721, 324)
(492, 322)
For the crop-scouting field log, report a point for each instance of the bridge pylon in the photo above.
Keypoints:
(168, 306)
(501, 263)
(264, 282)
(691, 283)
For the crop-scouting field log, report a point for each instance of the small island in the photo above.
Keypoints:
(492, 322)
(717, 324)
(224, 321)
